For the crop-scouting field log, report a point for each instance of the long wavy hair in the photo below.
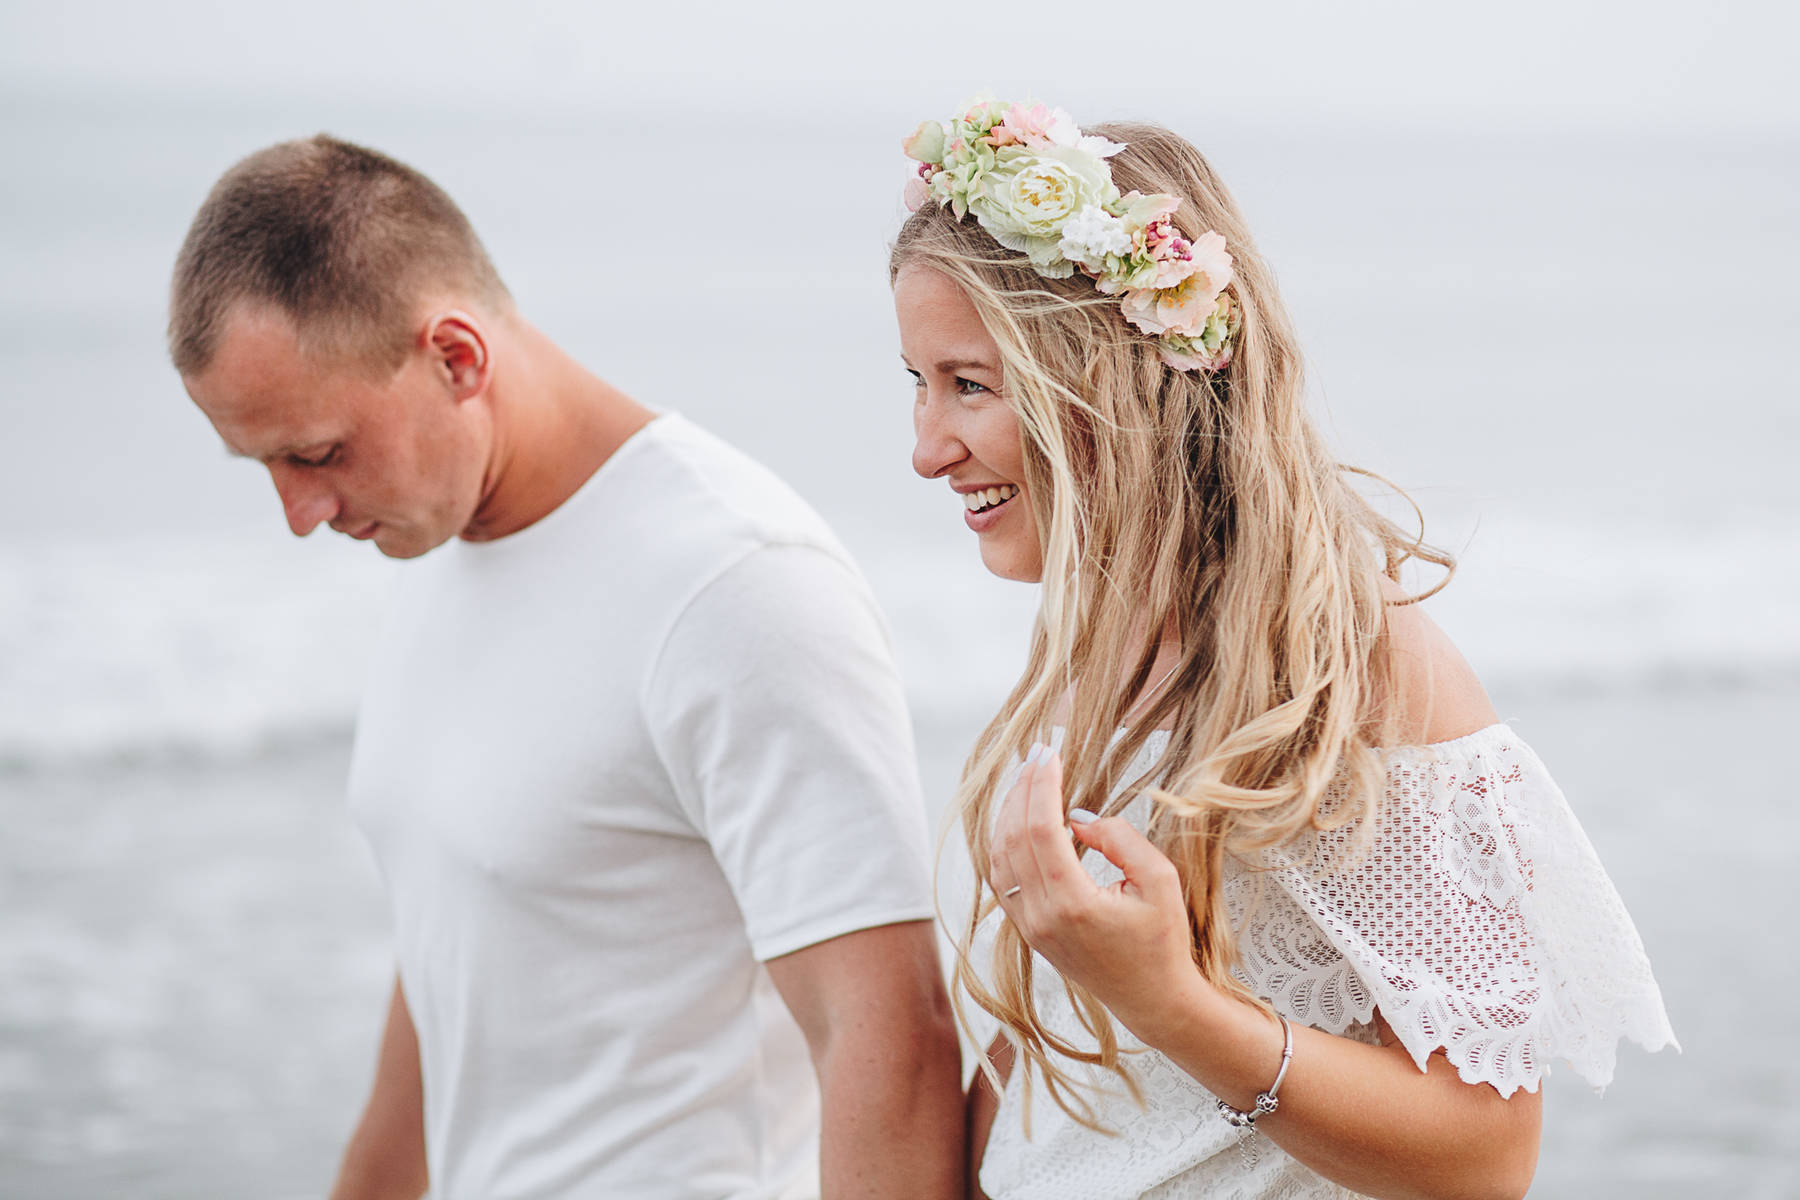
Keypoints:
(1203, 506)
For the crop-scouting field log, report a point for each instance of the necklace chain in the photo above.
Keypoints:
(1168, 675)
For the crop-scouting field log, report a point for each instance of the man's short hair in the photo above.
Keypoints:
(342, 239)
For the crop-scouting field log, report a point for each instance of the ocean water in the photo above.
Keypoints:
(1574, 351)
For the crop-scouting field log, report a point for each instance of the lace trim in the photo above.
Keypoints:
(1480, 921)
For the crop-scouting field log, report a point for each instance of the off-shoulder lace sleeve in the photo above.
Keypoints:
(1480, 921)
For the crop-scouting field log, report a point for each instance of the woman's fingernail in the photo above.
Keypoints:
(1037, 750)
(1082, 816)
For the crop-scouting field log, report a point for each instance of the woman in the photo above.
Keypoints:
(1267, 902)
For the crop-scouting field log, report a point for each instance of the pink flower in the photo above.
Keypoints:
(1213, 261)
(916, 193)
(1024, 126)
(1163, 240)
(1172, 254)
(1139, 307)
(1172, 270)
(1195, 360)
(1183, 308)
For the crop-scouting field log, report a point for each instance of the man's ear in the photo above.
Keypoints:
(460, 347)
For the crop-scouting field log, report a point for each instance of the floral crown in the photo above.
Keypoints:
(1040, 186)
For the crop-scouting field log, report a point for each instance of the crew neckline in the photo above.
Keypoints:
(645, 434)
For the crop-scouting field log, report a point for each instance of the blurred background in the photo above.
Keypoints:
(1542, 257)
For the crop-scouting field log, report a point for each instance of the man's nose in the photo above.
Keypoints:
(305, 500)
(936, 448)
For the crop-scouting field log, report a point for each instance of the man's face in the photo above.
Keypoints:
(399, 460)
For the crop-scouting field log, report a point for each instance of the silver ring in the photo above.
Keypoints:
(1012, 891)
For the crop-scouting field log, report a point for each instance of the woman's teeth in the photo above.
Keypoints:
(983, 500)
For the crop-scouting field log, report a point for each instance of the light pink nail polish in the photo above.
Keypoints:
(1082, 816)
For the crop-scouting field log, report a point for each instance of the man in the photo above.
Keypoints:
(634, 760)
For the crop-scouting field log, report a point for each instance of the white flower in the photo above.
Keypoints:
(1062, 131)
(1061, 128)
(1026, 199)
(1034, 196)
(1090, 235)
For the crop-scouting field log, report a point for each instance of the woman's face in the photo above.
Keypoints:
(967, 433)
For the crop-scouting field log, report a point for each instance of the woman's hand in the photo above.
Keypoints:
(1129, 944)
(1363, 1116)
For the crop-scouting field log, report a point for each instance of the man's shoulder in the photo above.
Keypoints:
(726, 499)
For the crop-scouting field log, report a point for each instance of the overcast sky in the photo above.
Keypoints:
(1653, 63)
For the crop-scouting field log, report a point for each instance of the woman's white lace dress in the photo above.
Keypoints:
(1480, 921)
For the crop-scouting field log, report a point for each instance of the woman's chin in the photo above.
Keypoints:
(1010, 562)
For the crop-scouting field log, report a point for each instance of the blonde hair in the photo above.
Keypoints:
(1201, 503)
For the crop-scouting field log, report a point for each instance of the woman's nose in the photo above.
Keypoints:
(937, 447)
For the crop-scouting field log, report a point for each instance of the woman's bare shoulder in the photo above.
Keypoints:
(1439, 696)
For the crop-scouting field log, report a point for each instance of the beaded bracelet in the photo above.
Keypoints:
(1266, 1102)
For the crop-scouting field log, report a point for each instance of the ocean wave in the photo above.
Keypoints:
(180, 648)
(187, 649)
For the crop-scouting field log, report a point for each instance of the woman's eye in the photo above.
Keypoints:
(319, 460)
(963, 387)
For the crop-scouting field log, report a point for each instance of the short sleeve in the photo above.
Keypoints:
(1480, 920)
(777, 711)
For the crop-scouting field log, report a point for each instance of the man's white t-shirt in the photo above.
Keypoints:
(609, 765)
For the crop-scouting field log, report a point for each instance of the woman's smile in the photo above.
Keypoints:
(984, 505)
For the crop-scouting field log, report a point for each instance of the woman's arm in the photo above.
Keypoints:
(1362, 1116)
(983, 1102)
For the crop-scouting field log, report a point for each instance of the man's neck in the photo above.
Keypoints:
(555, 424)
